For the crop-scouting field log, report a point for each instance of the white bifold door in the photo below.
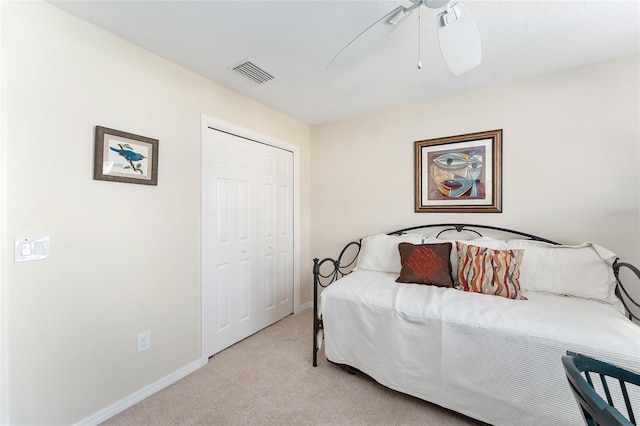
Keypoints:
(247, 236)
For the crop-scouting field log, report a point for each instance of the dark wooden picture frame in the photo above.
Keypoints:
(458, 174)
(125, 157)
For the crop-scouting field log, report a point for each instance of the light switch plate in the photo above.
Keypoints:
(27, 249)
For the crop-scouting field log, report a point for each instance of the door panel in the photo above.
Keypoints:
(222, 194)
(222, 296)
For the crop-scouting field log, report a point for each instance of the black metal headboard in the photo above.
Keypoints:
(343, 264)
(459, 227)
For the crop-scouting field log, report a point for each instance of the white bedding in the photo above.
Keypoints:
(491, 358)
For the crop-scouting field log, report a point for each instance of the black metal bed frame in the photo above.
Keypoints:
(340, 267)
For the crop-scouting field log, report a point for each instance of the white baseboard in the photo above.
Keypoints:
(141, 394)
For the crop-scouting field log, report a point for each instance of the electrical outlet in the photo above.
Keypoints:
(144, 341)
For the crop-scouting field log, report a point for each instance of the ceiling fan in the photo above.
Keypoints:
(457, 33)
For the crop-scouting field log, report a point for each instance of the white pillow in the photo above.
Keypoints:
(488, 242)
(583, 270)
(380, 252)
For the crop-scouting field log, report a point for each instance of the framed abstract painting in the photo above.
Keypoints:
(125, 157)
(459, 173)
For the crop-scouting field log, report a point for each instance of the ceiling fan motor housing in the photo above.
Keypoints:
(435, 4)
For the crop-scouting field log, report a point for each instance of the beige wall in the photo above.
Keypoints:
(571, 160)
(124, 258)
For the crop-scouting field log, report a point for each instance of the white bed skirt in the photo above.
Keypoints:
(490, 358)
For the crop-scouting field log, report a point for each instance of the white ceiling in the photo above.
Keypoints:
(294, 41)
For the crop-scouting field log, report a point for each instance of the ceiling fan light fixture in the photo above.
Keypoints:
(435, 4)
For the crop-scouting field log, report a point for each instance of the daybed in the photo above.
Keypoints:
(487, 340)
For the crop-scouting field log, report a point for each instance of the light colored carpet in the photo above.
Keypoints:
(267, 379)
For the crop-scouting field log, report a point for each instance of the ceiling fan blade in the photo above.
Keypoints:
(367, 39)
(459, 39)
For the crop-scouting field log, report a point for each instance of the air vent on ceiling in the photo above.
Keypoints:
(253, 72)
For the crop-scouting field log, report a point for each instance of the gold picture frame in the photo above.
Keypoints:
(459, 174)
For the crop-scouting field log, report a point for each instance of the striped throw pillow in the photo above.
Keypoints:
(489, 271)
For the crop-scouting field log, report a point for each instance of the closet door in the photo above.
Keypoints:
(229, 239)
(268, 236)
(275, 235)
(242, 267)
(285, 233)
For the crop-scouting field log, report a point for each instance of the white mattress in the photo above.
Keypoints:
(491, 358)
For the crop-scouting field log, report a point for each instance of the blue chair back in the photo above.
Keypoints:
(594, 408)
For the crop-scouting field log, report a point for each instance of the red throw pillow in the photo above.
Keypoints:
(425, 264)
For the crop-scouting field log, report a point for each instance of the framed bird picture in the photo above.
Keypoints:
(125, 157)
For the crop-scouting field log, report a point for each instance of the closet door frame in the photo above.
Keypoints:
(207, 123)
